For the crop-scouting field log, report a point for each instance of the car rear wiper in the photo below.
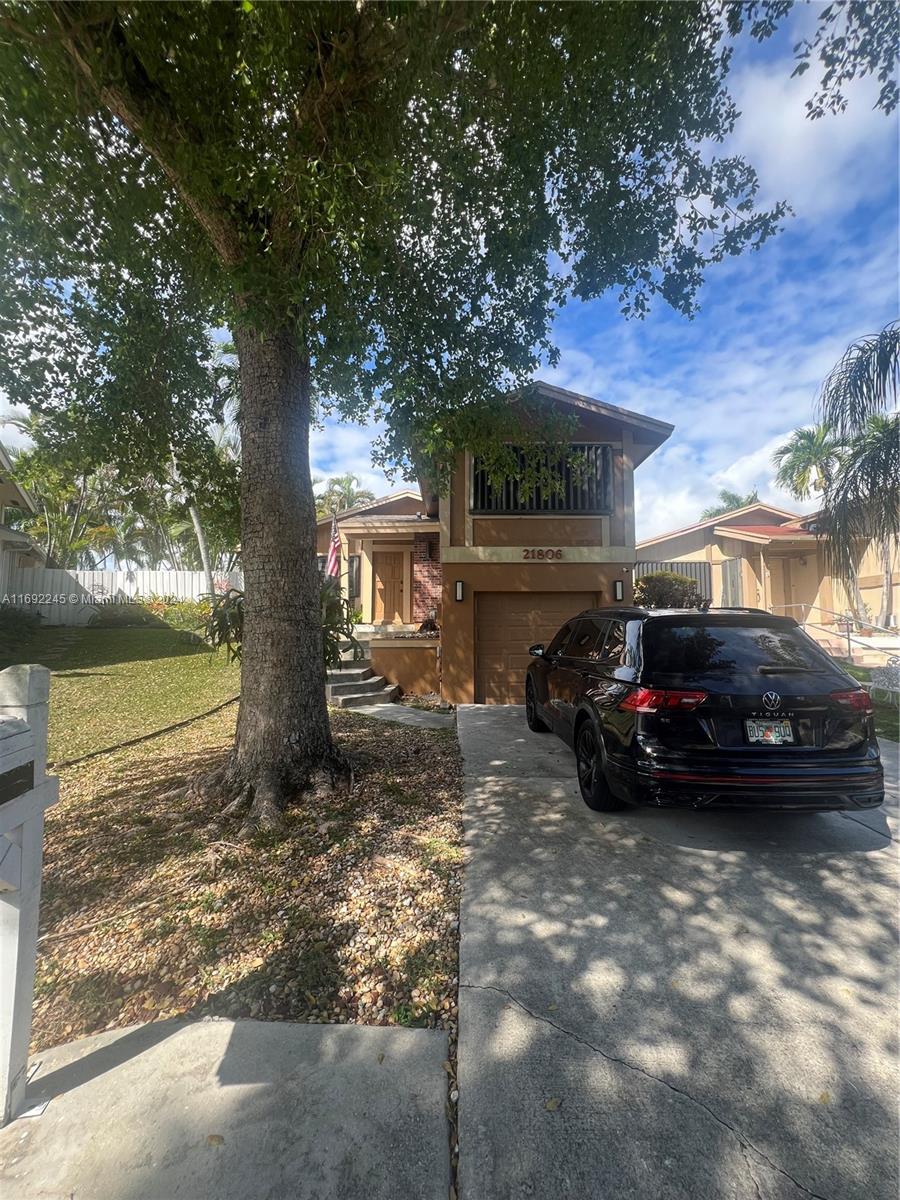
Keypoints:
(778, 669)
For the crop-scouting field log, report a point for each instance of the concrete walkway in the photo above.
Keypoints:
(405, 714)
(660, 1005)
(235, 1110)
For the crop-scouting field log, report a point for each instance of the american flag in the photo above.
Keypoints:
(333, 566)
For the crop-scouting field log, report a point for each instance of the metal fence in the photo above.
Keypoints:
(698, 571)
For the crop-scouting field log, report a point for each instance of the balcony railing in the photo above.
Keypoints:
(585, 486)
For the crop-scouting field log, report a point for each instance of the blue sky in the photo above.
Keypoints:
(745, 372)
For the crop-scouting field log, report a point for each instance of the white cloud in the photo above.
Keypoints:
(341, 448)
(738, 379)
(820, 167)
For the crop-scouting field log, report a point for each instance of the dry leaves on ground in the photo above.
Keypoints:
(151, 909)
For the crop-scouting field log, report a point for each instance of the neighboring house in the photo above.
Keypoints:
(16, 550)
(500, 570)
(768, 558)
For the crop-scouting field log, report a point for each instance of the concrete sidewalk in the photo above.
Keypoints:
(235, 1110)
(405, 714)
(669, 1006)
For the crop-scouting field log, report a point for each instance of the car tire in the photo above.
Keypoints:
(592, 784)
(535, 723)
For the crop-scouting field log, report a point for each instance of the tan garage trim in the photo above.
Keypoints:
(506, 624)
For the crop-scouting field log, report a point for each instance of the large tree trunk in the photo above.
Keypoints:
(283, 734)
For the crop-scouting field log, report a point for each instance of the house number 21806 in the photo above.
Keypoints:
(542, 554)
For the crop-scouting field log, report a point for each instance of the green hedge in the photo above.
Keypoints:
(666, 589)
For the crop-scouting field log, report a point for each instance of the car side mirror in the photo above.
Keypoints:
(537, 650)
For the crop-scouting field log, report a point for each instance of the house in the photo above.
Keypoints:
(16, 550)
(769, 558)
(500, 570)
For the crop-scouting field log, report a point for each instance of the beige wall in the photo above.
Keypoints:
(414, 665)
(806, 589)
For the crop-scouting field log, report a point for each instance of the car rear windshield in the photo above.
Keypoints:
(714, 647)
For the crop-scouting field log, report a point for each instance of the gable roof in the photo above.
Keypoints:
(767, 533)
(713, 521)
(626, 415)
(406, 494)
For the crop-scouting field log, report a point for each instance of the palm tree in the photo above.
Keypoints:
(859, 401)
(728, 502)
(806, 461)
(863, 384)
(341, 492)
(863, 499)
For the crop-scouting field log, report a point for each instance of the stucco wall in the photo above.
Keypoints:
(414, 665)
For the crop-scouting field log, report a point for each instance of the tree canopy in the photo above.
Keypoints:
(386, 203)
(420, 186)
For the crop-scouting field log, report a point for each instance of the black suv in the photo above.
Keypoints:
(725, 707)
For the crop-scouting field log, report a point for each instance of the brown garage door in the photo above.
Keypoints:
(506, 624)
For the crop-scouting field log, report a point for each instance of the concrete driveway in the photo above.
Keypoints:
(669, 1005)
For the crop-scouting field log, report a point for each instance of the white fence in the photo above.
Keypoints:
(73, 597)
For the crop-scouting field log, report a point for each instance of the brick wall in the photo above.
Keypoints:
(426, 572)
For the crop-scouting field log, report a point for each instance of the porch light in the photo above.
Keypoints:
(459, 589)
(618, 589)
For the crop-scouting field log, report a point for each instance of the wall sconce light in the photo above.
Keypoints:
(618, 589)
(459, 589)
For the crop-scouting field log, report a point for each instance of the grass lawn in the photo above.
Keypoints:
(112, 684)
(887, 716)
(152, 908)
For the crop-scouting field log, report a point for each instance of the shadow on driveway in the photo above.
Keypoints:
(661, 1004)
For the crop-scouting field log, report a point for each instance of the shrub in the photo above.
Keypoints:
(16, 628)
(337, 623)
(190, 615)
(666, 589)
(122, 616)
(224, 625)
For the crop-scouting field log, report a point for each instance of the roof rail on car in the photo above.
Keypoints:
(740, 608)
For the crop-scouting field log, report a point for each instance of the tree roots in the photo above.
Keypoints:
(258, 798)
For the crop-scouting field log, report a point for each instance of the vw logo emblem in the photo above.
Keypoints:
(771, 701)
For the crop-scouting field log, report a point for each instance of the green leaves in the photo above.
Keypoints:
(415, 187)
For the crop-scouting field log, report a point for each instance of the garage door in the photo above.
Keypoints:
(506, 624)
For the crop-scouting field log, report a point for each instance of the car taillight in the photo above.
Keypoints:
(648, 700)
(858, 699)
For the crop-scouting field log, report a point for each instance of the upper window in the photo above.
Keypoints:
(585, 479)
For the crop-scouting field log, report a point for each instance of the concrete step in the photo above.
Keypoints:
(361, 669)
(355, 687)
(387, 695)
(347, 655)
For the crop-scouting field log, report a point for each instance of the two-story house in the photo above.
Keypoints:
(500, 569)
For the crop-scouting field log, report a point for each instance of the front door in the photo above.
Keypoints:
(387, 567)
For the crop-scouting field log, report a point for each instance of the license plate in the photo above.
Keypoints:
(770, 733)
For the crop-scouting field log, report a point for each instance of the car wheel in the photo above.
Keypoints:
(535, 723)
(592, 783)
